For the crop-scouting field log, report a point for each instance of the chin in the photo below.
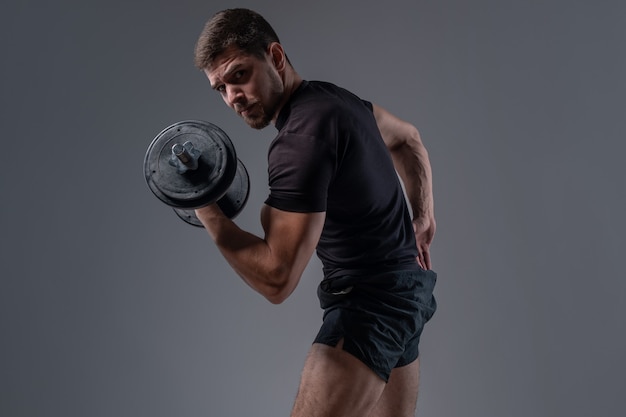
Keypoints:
(257, 123)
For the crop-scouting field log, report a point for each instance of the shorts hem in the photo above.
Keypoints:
(380, 372)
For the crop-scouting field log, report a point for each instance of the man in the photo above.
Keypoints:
(334, 189)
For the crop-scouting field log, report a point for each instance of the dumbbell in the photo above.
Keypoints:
(192, 164)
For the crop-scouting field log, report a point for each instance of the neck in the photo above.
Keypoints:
(291, 82)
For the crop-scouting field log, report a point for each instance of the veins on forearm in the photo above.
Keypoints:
(414, 169)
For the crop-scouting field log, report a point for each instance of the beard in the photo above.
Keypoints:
(260, 114)
(258, 117)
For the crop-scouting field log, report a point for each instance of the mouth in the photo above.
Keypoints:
(245, 111)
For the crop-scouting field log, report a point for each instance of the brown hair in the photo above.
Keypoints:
(243, 28)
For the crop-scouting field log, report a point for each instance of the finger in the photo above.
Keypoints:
(427, 260)
(420, 260)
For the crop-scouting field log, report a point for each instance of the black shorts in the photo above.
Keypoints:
(379, 317)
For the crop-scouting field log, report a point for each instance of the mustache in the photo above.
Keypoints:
(239, 107)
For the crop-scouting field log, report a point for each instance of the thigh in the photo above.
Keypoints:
(335, 383)
(399, 398)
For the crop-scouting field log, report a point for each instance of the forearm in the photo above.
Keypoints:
(413, 166)
(411, 161)
(271, 265)
(249, 255)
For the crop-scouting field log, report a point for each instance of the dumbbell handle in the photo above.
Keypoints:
(185, 157)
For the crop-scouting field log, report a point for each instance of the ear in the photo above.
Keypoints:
(277, 54)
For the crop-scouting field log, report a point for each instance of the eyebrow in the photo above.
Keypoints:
(229, 70)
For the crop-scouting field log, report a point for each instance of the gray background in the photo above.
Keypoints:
(111, 306)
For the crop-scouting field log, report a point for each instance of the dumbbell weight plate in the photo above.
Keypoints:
(217, 165)
(231, 203)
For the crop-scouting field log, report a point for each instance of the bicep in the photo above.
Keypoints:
(291, 238)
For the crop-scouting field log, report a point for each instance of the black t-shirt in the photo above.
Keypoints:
(329, 156)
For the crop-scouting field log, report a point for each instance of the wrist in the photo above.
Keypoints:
(210, 212)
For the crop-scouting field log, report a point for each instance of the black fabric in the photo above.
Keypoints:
(380, 318)
(329, 156)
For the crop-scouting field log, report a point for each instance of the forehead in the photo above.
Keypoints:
(227, 61)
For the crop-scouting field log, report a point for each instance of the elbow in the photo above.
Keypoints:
(277, 295)
(413, 136)
(280, 288)
(413, 143)
(276, 299)
(408, 138)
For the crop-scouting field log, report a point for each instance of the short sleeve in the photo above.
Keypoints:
(300, 168)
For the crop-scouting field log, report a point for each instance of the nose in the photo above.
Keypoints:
(234, 95)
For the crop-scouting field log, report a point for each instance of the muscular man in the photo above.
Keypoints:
(333, 189)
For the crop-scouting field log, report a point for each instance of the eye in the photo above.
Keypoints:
(220, 88)
(238, 75)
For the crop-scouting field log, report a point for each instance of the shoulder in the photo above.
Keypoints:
(330, 94)
(319, 105)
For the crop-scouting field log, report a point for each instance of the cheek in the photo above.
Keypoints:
(262, 86)
(253, 90)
